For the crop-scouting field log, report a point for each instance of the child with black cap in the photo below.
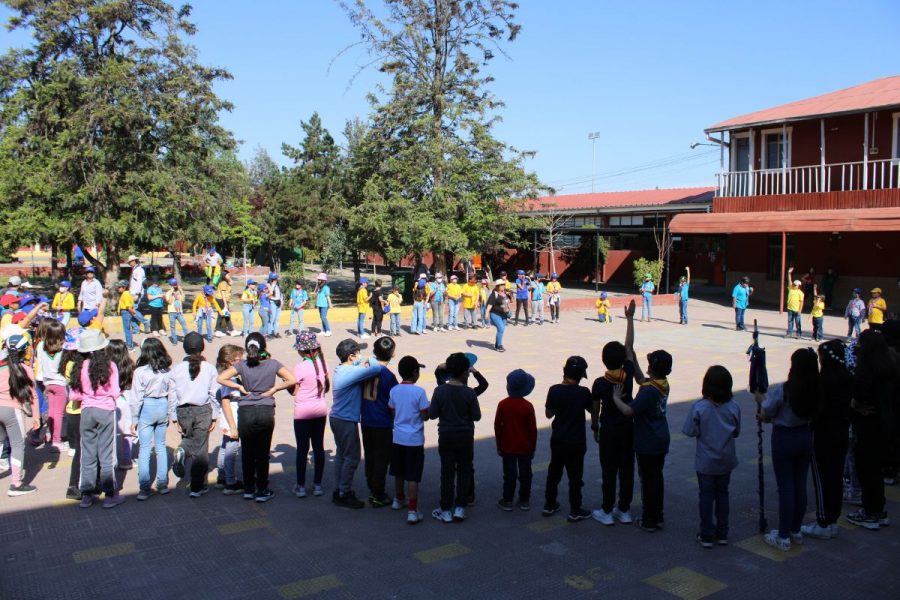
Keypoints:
(455, 406)
(409, 406)
(651, 428)
(567, 403)
(515, 430)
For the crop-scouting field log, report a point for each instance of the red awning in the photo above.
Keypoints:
(798, 221)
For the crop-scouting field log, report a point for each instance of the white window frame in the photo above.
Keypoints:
(732, 154)
(762, 146)
(895, 137)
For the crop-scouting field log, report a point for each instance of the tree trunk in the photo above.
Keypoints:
(176, 262)
(69, 260)
(54, 260)
(356, 268)
(448, 262)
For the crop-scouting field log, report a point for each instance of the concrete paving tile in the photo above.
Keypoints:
(309, 587)
(441, 553)
(102, 552)
(685, 583)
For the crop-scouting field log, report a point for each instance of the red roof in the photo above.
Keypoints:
(796, 221)
(881, 93)
(654, 198)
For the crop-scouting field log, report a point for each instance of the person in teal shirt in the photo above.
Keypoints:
(537, 299)
(299, 298)
(323, 302)
(155, 300)
(684, 284)
(740, 300)
(647, 289)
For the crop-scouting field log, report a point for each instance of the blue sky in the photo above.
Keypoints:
(648, 76)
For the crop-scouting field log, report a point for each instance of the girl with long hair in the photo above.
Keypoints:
(226, 461)
(322, 294)
(94, 382)
(52, 335)
(17, 396)
(310, 410)
(258, 385)
(152, 399)
(790, 407)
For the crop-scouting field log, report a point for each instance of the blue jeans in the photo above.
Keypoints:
(264, 316)
(126, 329)
(682, 310)
(469, 316)
(360, 324)
(714, 493)
(138, 318)
(792, 450)
(176, 317)
(395, 323)
(500, 324)
(205, 319)
(323, 314)
(818, 328)
(793, 319)
(484, 319)
(418, 317)
(249, 325)
(453, 316)
(853, 325)
(646, 306)
(739, 317)
(296, 313)
(227, 461)
(152, 424)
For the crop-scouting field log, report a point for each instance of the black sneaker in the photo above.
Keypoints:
(524, 505)
(578, 514)
(379, 501)
(21, 489)
(647, 525)
(249, 494)
(550, 509)
(861, 519)
(73, 493)
(178, 463)
(232, 489)
(506, 505)
(349, 500)
(704, 542)
(264, 495)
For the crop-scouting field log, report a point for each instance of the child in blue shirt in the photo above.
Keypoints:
(537, 300)
(299, 298)
(265, 303)
(684, 284)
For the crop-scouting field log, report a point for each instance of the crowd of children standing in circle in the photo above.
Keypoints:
(836, 416)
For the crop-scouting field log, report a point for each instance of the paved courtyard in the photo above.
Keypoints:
(223, 547)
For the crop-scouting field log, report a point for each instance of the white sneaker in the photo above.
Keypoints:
(413, 517)
(70, 452)
(834, 530)
(398, 504)
(815, 530)
(623, 517)
(797, 538)
(442, 515)
(603, 517)
(424, 331)
(773, 540)
(459, 513)
(219, 334)
(365, 336)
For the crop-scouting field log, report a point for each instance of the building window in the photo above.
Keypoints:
(775, 153)
(740, 152)
(895, 150)
(626, 221)
(773, 255)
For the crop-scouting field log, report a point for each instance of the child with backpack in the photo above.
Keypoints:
(409, 406)
(515, 430)
(715, 421)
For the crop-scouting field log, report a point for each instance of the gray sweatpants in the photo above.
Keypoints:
(437, 314)
(98, 447)
(347, 452)
(12, 428)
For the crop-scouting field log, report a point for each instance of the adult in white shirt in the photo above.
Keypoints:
(213, 261)
(91, 292)
(136, 288)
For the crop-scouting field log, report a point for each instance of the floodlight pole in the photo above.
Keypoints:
(593, 137)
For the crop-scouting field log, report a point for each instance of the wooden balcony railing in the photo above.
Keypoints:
(837, 177)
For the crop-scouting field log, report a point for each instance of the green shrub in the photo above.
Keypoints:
(642, 266)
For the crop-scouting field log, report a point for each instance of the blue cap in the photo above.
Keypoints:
(603, 295)
(273, 276)
(90, 269)
(208, 290)
(554, 276)
(173, 281)
(471, 358)
(26, 299)
(251, 282)
(262, 287)
(364, 280)
(86, 316)
(66, 284)
(520, 272)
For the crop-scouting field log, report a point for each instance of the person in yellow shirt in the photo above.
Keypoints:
(877, 307)
(175, 309)
(818, 315)
(394, 300)
(248, 303)
(603, 308)
(794, 305)
(126, 311)
(362, 307)
(63, 303)
(483, 293)
(205, 305)
(223, 297)
(454, 295)
(470, 301)
(553, 289)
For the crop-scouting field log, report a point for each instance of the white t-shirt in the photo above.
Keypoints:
(136, 284)
(408, 400)
(213, 259)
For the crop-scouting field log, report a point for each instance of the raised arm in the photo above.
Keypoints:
(687, 270)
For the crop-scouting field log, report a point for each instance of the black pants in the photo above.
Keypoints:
(223, 324)
(829, 454)
(377, 444)
(377, 318)
(617, 462)
(554, 311)
(650, 467)
(519, 305)
(194, 422)
(156, 320)
(306, 432)
(869, 453)
(517, 466)
(255, 426)
(456, 450)
(73, 435)
(571, 458)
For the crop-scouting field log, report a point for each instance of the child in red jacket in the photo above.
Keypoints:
(515, 430)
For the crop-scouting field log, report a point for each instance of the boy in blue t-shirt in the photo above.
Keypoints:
(537, 300)
(377, 422)
(684, 284)
(408, 404)
(299, 298)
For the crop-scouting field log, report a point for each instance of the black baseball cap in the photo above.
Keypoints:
(347, 348)
(409, 365)
(660, 363)
(575, 367)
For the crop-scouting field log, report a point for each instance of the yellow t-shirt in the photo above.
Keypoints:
(394, 301)
(603, 307)
(794, 300)
(126, 301)
(818, 308)
(362, 301)
(248, 296)
(454, 291)
(63, 301)
(553, 287)
(470, 295)
(203, 302)
(174, 301)
(223, 291)
(6, 319)
(876, 310)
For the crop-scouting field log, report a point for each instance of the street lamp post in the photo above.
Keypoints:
(593, 137)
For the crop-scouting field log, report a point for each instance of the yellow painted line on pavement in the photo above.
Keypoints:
(767, 460)
(577, 582)
(685, 583)
(242, 526)
(440, 553)
(102, 552)
(757, 545)
(64, 502)
(308, 587)
(677, 437)
(547, 524)
(541, 466)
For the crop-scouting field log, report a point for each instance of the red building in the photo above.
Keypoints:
(810, 184)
